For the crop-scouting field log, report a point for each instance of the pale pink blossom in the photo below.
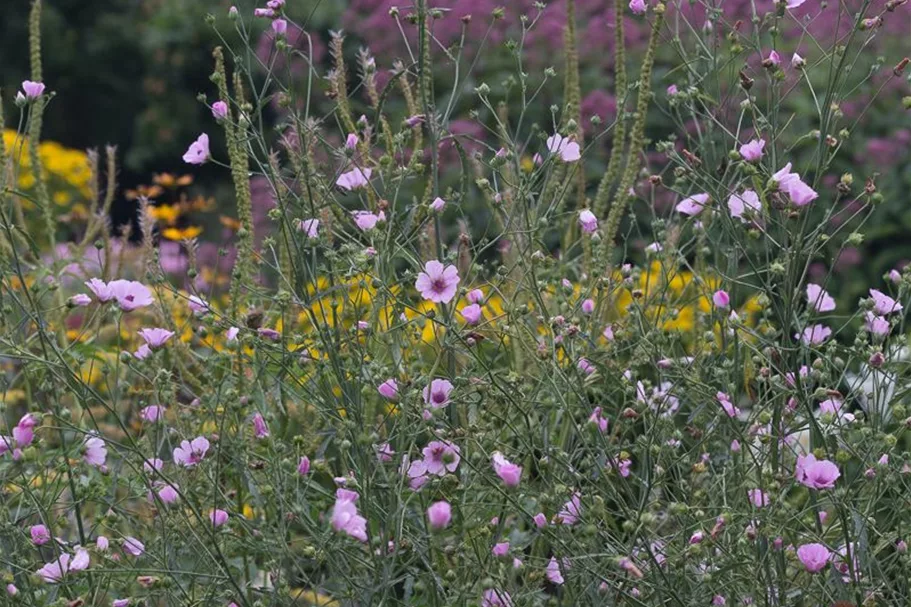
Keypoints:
(752, 151)
(188, 454)
(472, 314)
(439, 515)
(814, 335)
(310, 227)
(441, 457)
(816, 474)
(509, 473)
(745, 202)
(438, 283)
(198, 152)
(354, 179)
(552, 571)
(220, 110)
(587, 221)
(883, 305)
(814, 557)
(389, 389)
(32, 90)
(819, 299)
(693, 205)
(568, 150)
(218, 517)
(437, 393)
(155, 338)
(133, 546)
(95, 451)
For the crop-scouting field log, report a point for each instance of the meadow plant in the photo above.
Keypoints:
(498, 369)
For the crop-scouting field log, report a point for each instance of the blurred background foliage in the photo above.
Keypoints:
(128, 72)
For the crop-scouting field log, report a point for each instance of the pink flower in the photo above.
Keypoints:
(303, 467)
(280, 27)
(155, 338)
(130, 295)
(540, 520)
(12, 590)
(475, 296)
(389, 389)
(725, 401)
(188, 454)
(509, 473)
(568, 150)
(472, 314)
(552, 571)
(152, 413)
(167, 493)
(747, 202)
(438, 204)
(440, 457)
(40, 534)
(220, 110)
(218, 517)
(797, 61)
(571, 511)
(54, 571)
(438, 283)
(672, 89)
(123, 602)
(815, 474)
(101, 290)
(310, 227)
(884, 305)
(345, 517)
(585, 366)
(608, 333)
(819, 299)
(260, 429)
(366, 221)
(638, 7)
(752, 151)
(133, 546)
(598, 419)
(102, 543)
(774, 58)
(800, 193)
(721, 299)
(795, 3)
(500, 549)
(197, 305)
(32, 90)
(198, 152)
(693, 205)
(588, 306)
(814, 335)
(495, 598)
(231, 334)
(80, 299)
(437, 393)
(814, 557)
(354, 179)
(587, 221)
(877, 325)
(439, 515)
(95, 451)
(758, 498)
(142, 352)
(384, 452)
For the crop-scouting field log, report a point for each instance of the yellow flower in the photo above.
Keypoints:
(182, 233)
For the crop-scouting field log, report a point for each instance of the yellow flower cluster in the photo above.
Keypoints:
(66, 170)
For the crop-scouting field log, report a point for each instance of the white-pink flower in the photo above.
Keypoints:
(568, 150)
(693, 205)
(95, 451)
(188, 454)
(354, 179)
(155, 338)
(438, 283)
(819, 299)
(198, 152)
